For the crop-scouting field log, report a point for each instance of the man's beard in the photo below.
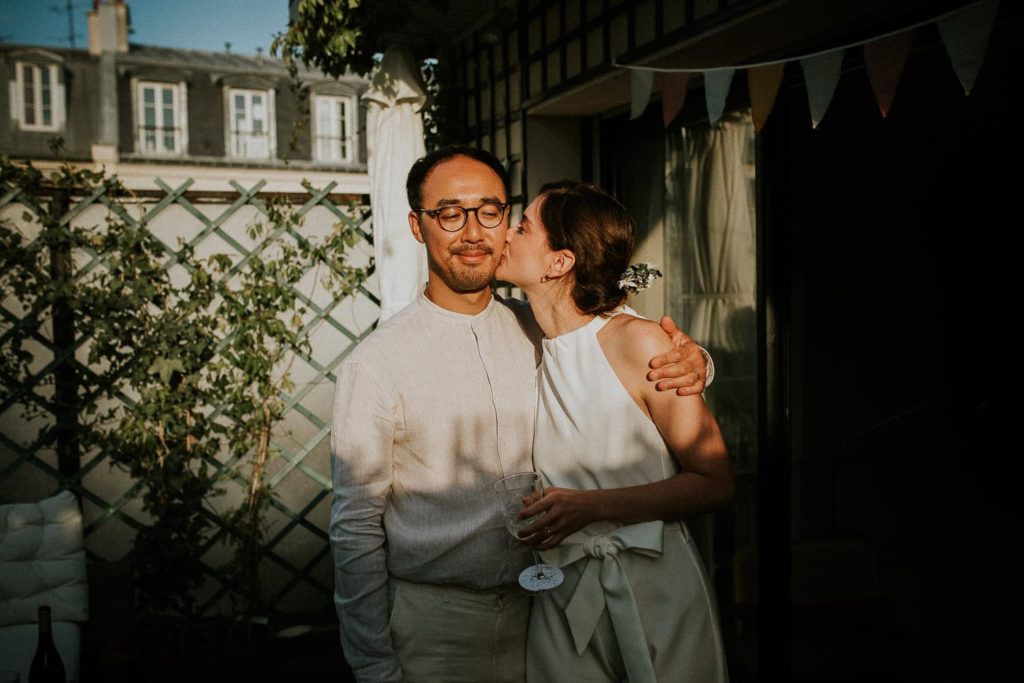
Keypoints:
(464, 278)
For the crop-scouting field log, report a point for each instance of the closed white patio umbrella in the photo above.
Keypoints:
(394, 141)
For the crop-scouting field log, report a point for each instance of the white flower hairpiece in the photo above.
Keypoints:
(639, 276)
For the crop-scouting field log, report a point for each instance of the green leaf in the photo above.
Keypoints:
(165, 367)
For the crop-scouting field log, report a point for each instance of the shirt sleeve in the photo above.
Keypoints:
(362, 444)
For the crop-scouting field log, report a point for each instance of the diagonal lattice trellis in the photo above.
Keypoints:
(297, 572)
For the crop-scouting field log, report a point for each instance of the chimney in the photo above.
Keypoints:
(108, 27)
(108, 38)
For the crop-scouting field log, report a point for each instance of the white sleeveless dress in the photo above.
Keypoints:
(635, 604)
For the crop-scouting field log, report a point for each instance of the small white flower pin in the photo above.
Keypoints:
(639, 276)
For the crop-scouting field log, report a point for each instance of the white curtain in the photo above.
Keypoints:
(711, 263)
(710, 232)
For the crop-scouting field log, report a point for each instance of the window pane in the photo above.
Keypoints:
(335, 118)
(148, 119)
(332, 129)
(158, 119)
(29, 94)
(323, 116)
(329, 149)
(47, 112)
(250, 125)
(343, 129)
(44, 91)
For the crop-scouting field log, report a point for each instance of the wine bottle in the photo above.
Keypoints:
(47, 666)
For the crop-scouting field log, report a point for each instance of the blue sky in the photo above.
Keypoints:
(193, 24)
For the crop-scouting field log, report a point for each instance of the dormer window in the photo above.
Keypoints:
(334, 126)
(251, 128)
(37, 97)
(161, 118)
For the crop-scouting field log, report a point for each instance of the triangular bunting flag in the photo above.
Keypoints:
(965, 35)
(673, 94)
(716, 89)
(763, 82)
(641, 84)
(821, 75)
(884, 60)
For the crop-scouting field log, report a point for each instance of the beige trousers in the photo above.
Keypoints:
(444, 634)
(676, 614)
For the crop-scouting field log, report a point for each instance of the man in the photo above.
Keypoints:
(430, 410)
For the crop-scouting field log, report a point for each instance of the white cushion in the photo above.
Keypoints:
(42, 561)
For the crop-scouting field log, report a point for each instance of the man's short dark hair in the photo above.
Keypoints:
(424, 165)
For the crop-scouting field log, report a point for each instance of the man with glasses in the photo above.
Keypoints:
(430, 410)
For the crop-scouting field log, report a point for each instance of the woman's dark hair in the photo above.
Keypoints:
(425, 164)
(595, 227)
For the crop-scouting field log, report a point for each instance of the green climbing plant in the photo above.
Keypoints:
(261, 319)
(186, 361)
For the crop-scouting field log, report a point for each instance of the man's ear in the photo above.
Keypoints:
(563, 263)
(414, 225)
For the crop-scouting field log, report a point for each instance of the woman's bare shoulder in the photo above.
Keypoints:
(637, 339)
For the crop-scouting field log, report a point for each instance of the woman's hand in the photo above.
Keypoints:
(563, 513)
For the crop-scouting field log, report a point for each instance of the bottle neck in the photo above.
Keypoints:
(44, 620)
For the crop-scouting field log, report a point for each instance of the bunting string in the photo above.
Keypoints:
(964, 31)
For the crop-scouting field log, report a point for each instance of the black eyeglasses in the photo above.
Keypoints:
(453, 218)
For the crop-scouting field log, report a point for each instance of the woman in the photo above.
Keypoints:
(623, 464)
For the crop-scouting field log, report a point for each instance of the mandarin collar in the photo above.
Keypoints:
(453, 316)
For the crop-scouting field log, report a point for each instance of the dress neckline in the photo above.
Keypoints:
(568, 339)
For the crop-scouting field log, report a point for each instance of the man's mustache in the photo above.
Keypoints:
(476, 249)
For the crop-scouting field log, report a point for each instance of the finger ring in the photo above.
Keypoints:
(547, 530)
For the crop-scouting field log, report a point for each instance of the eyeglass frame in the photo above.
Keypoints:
(433, 213)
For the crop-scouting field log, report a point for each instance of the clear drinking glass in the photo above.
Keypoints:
(512, 491)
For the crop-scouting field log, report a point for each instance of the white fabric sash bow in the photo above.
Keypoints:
(604, 583)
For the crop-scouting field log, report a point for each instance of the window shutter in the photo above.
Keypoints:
(59, 106)
(14, 93)
(272, 123)
(183, 118)
(136, 90)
